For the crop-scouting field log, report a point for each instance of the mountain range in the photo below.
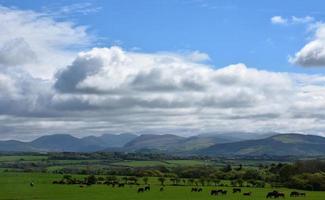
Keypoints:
(204, 144)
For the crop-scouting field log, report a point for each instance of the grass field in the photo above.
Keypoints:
(170, 163)
(15, 186)
(21, 158)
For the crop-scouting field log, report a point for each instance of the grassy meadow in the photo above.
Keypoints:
(17, 186)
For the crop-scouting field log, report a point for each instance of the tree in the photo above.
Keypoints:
(125, 179)
(227, 168)
(145, 180)
(91, 180)
(191, 181)
(216, 181)
(161, 180)
(202, 181)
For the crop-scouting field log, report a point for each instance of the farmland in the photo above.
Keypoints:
(16, 186)
(70, 171)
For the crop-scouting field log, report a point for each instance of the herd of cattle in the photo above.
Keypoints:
(274, 194)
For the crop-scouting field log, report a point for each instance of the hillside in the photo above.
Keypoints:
(282, 144)
(166, 142)
(173, 143)
(65, 142)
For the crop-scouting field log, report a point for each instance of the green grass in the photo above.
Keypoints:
(168, 163)
(21, 158)
(15, 186)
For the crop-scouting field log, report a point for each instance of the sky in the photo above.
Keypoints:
(176, 66)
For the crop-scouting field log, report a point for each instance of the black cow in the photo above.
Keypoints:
(121, 185)
(140, 190)
(214, 192)
(235, 190)
(294, 194)
(147, 188)
(247, 193)
(224, 192)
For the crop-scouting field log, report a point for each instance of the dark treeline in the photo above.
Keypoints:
(307, 175)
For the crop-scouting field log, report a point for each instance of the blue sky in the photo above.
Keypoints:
(228, 31)
(168, 66)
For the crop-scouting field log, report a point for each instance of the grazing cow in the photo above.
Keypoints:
(280, 195)
(272, 194)
(161, 189)
(147, 188)
(275, 194)
(235, 190)
(81, 186)
(140, 190)
(247, 193)
(302, 194)
(199, 190)
(214, 192)
(294, 194)
(31, 184)
(224, 192)
(194, 190)
(121, 185)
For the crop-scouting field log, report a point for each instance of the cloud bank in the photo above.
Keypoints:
(313, 53)
(49, 86)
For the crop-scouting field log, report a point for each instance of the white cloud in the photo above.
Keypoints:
(113, 90)
(33, 41)
(46, 86)
(278, 20)
(291, 21)
(302, 20)
(313, 53)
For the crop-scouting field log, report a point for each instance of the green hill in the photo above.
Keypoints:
(281, 145)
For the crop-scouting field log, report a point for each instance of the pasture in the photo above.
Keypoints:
(17, 186)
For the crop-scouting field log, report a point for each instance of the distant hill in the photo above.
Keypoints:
(68, 143)
(15, 146)
(205, 144)
(280, 145)
(166, 142)
(173, 143)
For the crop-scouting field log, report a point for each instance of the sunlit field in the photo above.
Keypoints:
(17, 186)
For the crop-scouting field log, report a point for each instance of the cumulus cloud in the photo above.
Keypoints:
(47, 87)
(113, 90)
(278, 20)
(313, 53)
(32, 41)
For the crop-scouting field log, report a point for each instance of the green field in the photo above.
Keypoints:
(170, 163)
(15, 186)
(21, 158)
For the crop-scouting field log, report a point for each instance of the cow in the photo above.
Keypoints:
(31, 184)
(161, 189)
(199, 190)
(224, 192)
(272, 194)
(280, 195)
(147, 188)
(247, 193)
(214, 192)
(140, 190)
(235, 190)
(294, 194)
(275, 194)
(121, 185)
(194, 190)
